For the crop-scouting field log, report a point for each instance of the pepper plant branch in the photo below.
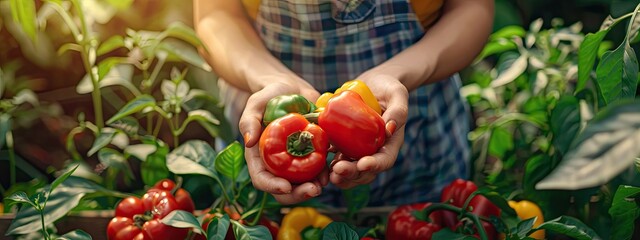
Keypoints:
(477, 220)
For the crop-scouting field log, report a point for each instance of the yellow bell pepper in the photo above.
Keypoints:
(526, 210)
(298, 219)
(354, 85)
(1, 208)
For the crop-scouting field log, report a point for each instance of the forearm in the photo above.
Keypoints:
(448, 46)
(235, 51)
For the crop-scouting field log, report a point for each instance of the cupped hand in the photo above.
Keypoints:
(393, 98)
(251, 128)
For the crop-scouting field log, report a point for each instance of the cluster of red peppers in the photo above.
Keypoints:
(402, 223)
(139, 218)
(296, 139)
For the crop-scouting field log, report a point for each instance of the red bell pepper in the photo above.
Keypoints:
(353, 128)
(139, 218)
(294, 149)
(403, 225)
(456, 193)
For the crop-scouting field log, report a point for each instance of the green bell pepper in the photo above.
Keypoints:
(282, 105)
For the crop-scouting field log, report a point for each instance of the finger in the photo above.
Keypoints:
(345, 168)
(323, 178)
(397, 109)
(300, 193)
(386, 156)
(363, 179)
(250, 123)
(261, 178)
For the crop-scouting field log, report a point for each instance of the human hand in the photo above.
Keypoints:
(251, 127)
(393, 98)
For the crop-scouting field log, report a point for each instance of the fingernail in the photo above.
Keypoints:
(391, 127)
(247, 137)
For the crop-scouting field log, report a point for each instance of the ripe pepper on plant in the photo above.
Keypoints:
(303, 223)
(209, 216)
(450, 213)
(402, 224)
(526, 210)
(294, 149)
(139, 218)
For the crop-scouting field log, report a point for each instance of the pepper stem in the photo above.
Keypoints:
(312, 117)
(299, 143)
(140, 219)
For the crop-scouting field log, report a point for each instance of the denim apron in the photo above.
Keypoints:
(328, 42)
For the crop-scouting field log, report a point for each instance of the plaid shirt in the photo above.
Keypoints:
(328, 42)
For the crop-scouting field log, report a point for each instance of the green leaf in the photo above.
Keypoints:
(199, 99)
(129, 125)
(446, 233)
(5, 127)
(182, 219)
(218, 228)
(571, 227)
(112, 158)
(61, 179)
(179, 51)
(495, 198)
(565, 122)
(140, 151)
(606, 147)
(20, 197)
(60, 202)
(357, 198)
(111, 72)
(525, 226)
(192, 157)
(105, 137)
(230, 161)
(617, 74)
(624, 211)
(587, 56)
(154, 169)
(24, 13)
(242, 232)
(136, 105)
(339, 231)
(500, 142)
(205, 119)
(536, 168)
(26, 96)
(111, 44)
(509, 32)
(181, 31)
(496, 47)
(513, 71)
(75, 235)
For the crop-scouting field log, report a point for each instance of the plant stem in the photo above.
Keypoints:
(12, 159)
(44, 228)
(86, 43)
(262, 203)
(176, 134)
(477, 220)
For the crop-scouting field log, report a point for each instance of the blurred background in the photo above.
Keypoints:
(40, 140)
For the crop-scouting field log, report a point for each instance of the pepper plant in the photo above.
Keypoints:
(560, 116)
(143, 67)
